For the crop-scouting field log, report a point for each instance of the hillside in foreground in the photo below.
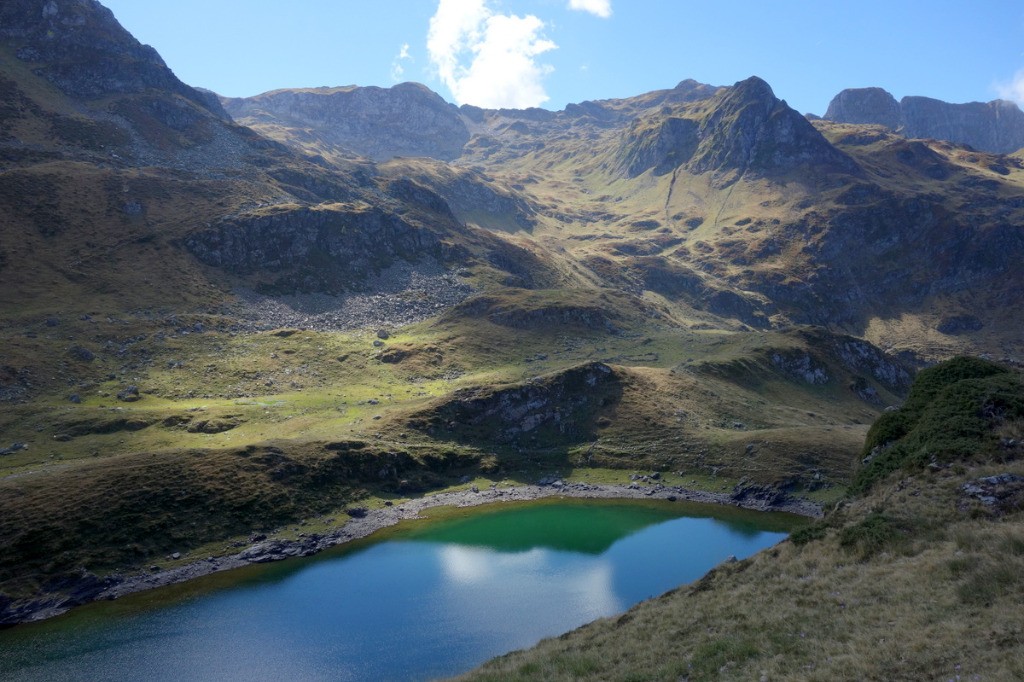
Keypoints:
(918, 575)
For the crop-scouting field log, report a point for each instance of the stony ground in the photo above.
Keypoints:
(401, 295)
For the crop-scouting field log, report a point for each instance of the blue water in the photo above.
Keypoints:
(433, 601)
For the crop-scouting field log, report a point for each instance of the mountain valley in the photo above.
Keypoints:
(231, 318)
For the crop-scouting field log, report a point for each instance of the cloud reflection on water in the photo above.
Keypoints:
(526, 583)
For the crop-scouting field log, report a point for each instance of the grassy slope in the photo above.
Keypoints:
(912, 579)
(210, 400)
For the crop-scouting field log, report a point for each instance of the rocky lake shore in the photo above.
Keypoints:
(363, 522)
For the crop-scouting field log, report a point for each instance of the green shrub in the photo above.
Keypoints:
(876, 532)
(888, 428)
(929, 382)
(949, 415)
(815, 531)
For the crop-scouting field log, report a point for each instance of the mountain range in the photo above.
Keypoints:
(720, 200)
(222, 317)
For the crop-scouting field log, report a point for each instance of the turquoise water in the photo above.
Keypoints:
(430, 600)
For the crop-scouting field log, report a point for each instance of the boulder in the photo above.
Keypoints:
(129, 395)
(81, 353)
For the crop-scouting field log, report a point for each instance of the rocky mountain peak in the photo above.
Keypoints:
(748, 128)
(732, 130)
(996, 126)
(690, 90)
(865, 105)
(752, 90)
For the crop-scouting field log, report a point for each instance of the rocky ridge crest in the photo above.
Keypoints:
(79, 47)
(379, 123)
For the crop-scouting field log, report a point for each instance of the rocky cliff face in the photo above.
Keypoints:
(379, 123)
(554, 409)
(325, 248)
(472, 196)
(996, 126)
(941, 254)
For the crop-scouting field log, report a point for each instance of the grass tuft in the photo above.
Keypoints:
(714, 657)
(871, 535)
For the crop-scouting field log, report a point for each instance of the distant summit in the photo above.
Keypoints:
(996, 126)
(865, 105)
(378, 123)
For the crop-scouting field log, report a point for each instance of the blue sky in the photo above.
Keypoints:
(545, 52)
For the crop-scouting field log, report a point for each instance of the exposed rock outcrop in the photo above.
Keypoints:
(661, 147)
(997, 495)
(862, 357)
(473, 197)
(325, 248)
(107, 98)
(939, 253)
(820, 358)
(678, 282)
(996, 126)
(556, 408)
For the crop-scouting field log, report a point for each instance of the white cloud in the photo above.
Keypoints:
(397, 66)
(599, 8)
(488, 59)
(1014, 90)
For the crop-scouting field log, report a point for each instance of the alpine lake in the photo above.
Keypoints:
(417, 601)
